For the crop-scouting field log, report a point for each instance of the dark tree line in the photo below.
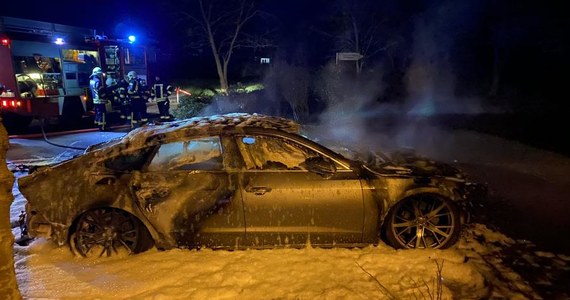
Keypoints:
(508, 52)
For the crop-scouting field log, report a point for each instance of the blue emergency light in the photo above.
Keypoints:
(132, 38)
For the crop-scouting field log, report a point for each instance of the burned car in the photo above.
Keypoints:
(239, 181)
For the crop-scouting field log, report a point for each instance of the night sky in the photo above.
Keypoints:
(112, 17)
(105, 16)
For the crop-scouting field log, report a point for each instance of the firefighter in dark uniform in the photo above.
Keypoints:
(146, 95)
(122, 97)
(111, 88)
(111, 93)
(160, 92)
(138, 104)
(98, 93)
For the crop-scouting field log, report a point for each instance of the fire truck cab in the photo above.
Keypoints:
(45, 69)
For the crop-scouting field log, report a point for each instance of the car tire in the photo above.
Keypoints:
(109, 231)
(422, 221)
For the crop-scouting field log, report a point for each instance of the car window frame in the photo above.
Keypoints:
(297, 141)
(144, 159)
(186, 140)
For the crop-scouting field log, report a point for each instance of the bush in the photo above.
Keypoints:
(248, 97)
(191, 106)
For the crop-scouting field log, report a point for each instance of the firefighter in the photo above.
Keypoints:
(122, 97)
(160, 92)
(98, 93)
(146, 95)
(135, 92)
(111, 89)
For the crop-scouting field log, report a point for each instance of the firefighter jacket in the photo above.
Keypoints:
(97, 89)
(145, 91)
(121, 94)
(111, 93)
(160, 91)
(134, 90)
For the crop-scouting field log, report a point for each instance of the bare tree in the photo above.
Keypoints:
(8, 283)
(364, 39)
(358, 27)
(220, 25)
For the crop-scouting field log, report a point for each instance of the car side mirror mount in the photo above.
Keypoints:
(320, 166)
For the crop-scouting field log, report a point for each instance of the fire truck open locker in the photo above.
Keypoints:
(45, 69)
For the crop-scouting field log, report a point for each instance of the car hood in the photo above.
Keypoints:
(404, 162)
(407, 161)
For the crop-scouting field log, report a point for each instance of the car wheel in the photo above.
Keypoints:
(423, 221)
(109, 231)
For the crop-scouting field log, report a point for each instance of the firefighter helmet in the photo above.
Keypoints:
(131, 75)
(110, 81)
(97, 71)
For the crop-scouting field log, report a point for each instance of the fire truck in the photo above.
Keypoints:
(45, 69)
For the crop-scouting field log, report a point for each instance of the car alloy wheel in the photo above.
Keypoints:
(107, 231)
(423, 221)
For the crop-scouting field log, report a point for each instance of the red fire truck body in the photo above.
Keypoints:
(45, 68)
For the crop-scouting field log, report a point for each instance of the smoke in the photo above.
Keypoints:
(353, 115)
(355, 111)
(351, 103)
(430, 79)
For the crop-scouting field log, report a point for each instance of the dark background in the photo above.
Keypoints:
(527, 40)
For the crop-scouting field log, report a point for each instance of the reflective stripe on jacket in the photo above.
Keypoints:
(161, 91)
(96, 87)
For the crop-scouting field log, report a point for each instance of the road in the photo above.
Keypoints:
(57, 147)
(86, 122)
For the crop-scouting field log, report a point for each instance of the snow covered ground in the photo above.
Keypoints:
(375, 272)
(475, 268)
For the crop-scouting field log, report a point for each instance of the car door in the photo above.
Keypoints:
(187, 194)
(286, 204)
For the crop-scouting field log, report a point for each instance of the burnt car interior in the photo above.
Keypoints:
(129, 161)
(197, 154)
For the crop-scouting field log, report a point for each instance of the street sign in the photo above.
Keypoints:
(348, 56)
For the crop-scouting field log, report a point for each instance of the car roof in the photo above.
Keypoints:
(199, 126)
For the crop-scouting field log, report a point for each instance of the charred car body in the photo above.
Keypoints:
(239, 181)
